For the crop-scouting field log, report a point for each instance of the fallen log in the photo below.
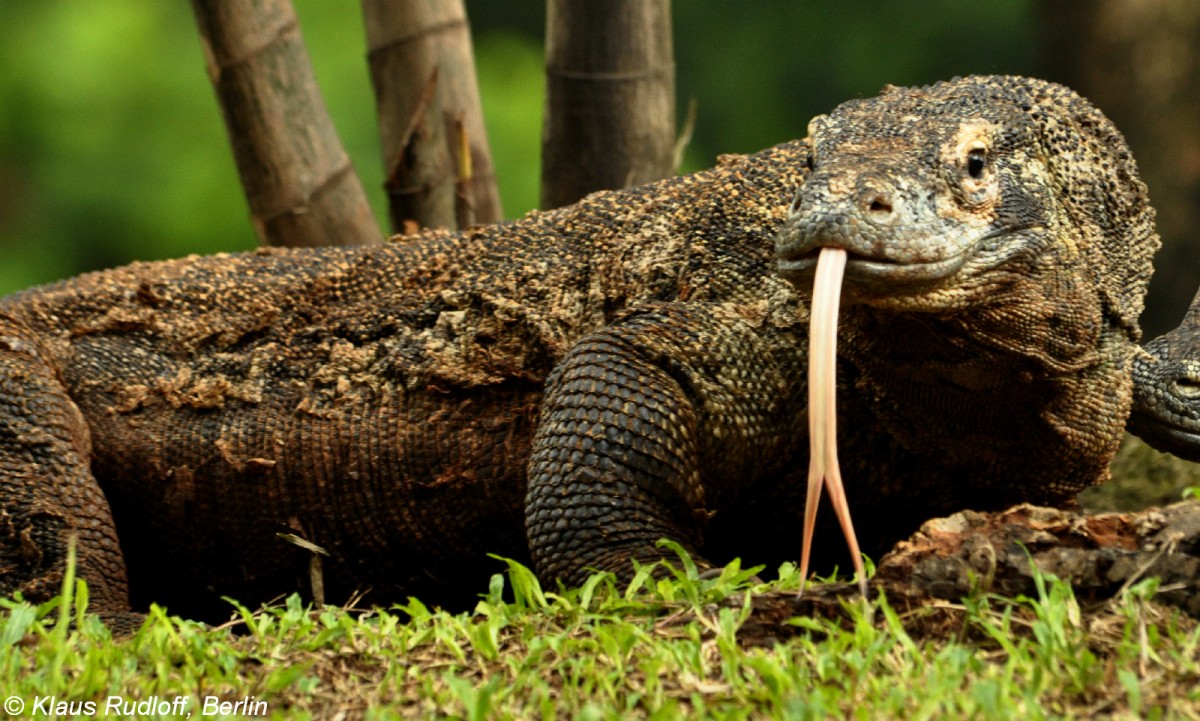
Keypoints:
(971, 553)
(1099, 555)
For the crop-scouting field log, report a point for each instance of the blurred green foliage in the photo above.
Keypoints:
(1141, 478)
(112, 146)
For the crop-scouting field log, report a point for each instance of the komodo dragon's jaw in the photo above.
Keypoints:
(920, 196)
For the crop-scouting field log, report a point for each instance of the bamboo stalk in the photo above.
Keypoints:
(610, 97)
(299, 183)
(427, 96)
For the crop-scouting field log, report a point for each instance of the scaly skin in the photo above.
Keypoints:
(1166, 389)
(569, 388)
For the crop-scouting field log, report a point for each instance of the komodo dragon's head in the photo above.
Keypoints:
(1166, 389)
(945, 196)
(1009, 206)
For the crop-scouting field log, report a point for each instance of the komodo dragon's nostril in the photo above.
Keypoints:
(876, 201)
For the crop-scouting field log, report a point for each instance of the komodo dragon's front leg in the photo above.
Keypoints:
(46, 486)
(646, 425)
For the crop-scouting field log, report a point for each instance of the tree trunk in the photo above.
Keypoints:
(610, 97)
(436, 156)
(1139, 61)
(299, 183)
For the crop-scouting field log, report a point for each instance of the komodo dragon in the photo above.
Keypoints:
(569, 388)
(1166, 389)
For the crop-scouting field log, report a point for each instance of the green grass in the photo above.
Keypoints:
(659, 649)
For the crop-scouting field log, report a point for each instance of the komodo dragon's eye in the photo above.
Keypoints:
(976, 162)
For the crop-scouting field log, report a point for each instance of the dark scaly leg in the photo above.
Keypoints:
(643, 426)
(612, 465)
(47, 492)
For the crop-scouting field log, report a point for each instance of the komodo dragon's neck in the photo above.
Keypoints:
(977, 405)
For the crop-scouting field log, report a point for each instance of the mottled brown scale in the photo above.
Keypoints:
(571, 387)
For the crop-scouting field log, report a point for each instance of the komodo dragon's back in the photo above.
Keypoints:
(571, 387)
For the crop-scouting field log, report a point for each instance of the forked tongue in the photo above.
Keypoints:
(822, 411)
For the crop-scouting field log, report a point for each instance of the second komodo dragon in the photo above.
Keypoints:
(569, 388)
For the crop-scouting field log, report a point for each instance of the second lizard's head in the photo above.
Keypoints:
(1166, 389)
(943, 196)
